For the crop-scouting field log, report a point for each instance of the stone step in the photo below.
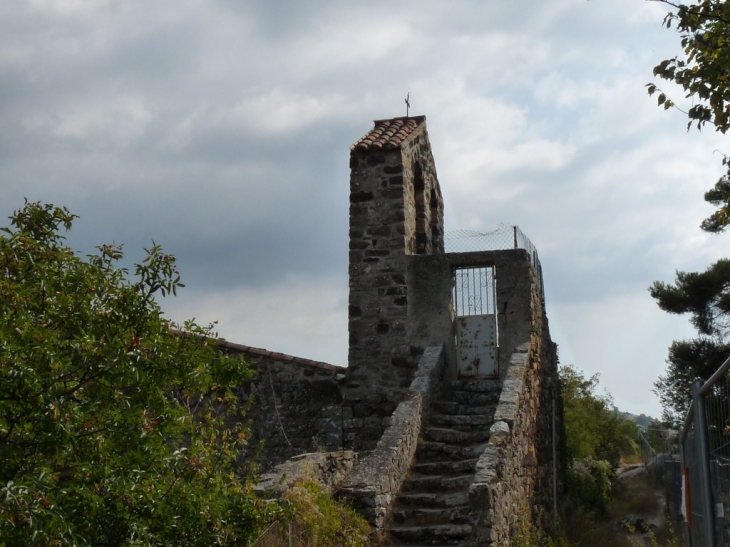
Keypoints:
(481, 385)
(449, 534)
(446, 467)
(461, 420)
(427, 450)
(422, 516)
(454, 436)
(469, 398)
(434, 500)
(436, 483)
(454, 407)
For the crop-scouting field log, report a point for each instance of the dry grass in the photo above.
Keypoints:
(320, 521)
(635, 495)
(585, 531)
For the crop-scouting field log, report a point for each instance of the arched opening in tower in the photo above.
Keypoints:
(423, 231)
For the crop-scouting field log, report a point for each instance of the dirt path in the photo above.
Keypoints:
(638, 504)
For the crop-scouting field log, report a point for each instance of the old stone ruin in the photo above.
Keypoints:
(442, 428)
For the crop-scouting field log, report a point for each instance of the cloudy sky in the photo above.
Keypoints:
(220, 129)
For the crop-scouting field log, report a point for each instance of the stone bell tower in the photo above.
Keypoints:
(396, 210)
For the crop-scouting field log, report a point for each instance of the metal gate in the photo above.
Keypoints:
(474, 298)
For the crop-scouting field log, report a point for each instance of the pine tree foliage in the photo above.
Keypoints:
(705, 296)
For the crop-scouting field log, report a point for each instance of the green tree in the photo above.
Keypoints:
(113, 430)
(596, 437)
(706, 297)
(593, 427)
(703, 72)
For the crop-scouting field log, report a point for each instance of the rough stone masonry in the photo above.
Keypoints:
(433, 455)
(396, 211)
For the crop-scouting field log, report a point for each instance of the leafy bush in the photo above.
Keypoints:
(113, 430)
(320, 521)
(531, 534)
(593, 428)
(589, 484)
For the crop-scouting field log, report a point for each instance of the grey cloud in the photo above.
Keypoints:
(221, 130)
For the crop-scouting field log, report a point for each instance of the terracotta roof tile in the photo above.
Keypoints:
(388, 134)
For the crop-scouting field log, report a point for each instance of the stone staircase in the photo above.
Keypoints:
(432, 507)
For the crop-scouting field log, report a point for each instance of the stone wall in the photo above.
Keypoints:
(517, 309)
(430, 312)
(396, 210)
(514, 479)
(401, 348)
(326, 468)
(296, 404)
(373, 484)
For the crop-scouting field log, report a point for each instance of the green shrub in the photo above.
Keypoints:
(113, 430)
(589, 485)
(531, 534)
(320, 521)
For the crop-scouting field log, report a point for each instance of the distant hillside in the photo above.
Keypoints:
(642, 420)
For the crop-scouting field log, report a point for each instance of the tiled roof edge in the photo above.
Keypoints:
(388, 134)
(260, 352)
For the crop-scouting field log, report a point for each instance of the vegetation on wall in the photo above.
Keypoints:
(320, 521)
(113, 431)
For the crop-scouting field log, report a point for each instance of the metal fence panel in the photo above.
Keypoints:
(694, 487)
(705, 444)
(717, 406)
(504, 237)
(276, 535)
(673, 488)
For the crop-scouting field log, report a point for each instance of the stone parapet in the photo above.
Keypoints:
(373, 484)
(514, 475)
(295, 405)
(326, 468)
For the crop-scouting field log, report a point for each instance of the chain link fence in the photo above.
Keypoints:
(283, 534)
(276, 535)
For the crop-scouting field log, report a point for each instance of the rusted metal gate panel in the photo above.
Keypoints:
(476, 345)
(476, 321)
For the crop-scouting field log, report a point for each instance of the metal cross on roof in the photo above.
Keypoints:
(408, 103)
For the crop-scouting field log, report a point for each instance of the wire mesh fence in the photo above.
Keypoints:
(276, 535)
(504, 237)
(693, 485)
(717, 410)
(650, 459)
